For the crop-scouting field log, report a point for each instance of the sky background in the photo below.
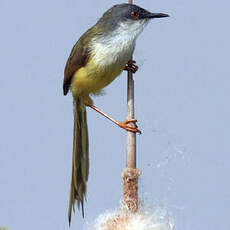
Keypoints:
(182, 92)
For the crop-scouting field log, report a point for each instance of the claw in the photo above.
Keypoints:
(131, 66)
(124, 125)
(130, 121)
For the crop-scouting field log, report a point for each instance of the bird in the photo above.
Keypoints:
(98, 57)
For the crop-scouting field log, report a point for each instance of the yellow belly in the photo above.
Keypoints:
(92, 78)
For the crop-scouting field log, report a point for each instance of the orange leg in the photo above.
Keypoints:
(121, 124)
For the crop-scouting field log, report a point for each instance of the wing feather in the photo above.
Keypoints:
(77, 59)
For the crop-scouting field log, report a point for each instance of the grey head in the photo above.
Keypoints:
(127, 13)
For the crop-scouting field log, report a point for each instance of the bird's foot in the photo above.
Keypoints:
(132, 128)
(131, 66)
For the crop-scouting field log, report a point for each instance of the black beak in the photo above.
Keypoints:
(156, 15)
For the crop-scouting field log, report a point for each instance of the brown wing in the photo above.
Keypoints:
(78, 58)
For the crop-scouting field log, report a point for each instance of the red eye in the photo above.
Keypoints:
(135, 14)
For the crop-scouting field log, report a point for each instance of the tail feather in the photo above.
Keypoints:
(80, 162)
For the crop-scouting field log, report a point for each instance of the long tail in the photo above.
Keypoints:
(80, 165)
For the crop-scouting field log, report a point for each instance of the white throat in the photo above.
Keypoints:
(117, 47)
(131, 29)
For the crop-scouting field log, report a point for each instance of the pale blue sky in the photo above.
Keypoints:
(182, 105)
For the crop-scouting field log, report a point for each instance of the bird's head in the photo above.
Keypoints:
(129, 16)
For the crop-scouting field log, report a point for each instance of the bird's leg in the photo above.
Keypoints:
(122, 124)
(130, 66)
